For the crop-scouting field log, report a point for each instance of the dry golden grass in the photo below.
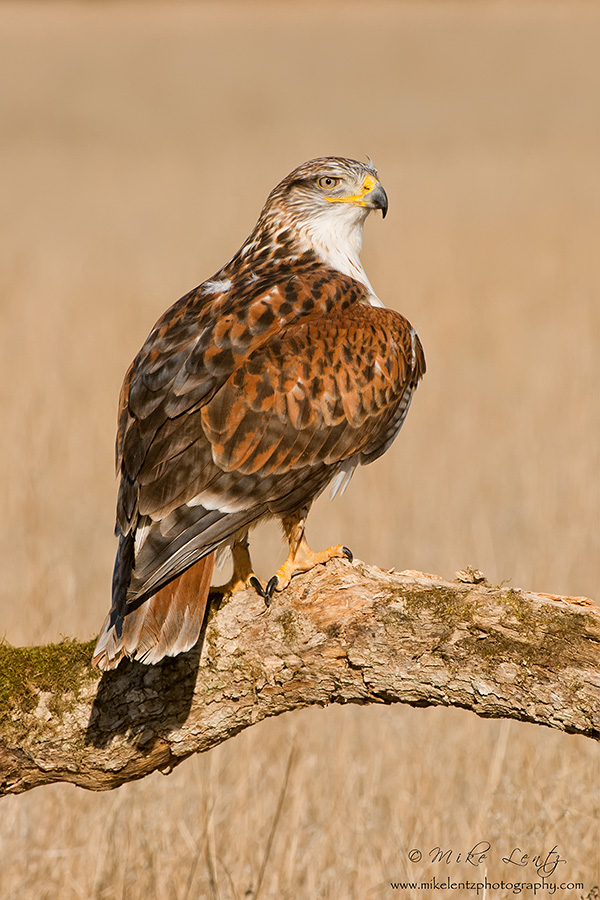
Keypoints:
(138, 143)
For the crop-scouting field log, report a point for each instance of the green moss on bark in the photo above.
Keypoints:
(57, 669)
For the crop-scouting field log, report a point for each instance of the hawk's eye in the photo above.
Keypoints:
(328, 181)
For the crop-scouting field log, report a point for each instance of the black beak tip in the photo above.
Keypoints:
(379, 199)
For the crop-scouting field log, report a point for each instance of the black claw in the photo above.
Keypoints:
(272, 584)
(259, 588)
(348, 554)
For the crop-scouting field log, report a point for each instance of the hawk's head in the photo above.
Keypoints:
(333, 188)
(322, 206)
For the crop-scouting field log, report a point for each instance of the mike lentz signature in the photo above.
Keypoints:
(544, 863)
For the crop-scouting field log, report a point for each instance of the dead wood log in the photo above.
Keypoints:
(341, 634)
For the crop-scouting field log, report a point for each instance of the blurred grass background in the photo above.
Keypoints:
(138, 143)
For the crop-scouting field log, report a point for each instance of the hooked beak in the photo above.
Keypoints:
(377, 199)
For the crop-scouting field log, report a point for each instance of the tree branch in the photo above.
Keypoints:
(340, 634)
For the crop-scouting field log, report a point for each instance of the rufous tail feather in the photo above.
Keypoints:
(166, 624)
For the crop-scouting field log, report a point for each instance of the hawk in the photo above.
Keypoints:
(268, 382)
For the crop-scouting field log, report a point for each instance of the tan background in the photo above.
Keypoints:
(138, 143)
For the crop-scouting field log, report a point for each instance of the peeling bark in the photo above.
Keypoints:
(341, 634)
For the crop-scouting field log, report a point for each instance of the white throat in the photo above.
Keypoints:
(337, 240)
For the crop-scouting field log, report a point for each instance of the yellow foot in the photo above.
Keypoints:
(236, 583)
(243, 577)
(302, 561)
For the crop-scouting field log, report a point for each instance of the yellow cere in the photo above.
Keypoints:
(367, 185)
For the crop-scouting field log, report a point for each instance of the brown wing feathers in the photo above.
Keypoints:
(322, 418)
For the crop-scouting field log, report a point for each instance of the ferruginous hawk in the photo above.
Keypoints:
(274, 378)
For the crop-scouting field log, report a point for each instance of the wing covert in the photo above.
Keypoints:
(320, 393)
